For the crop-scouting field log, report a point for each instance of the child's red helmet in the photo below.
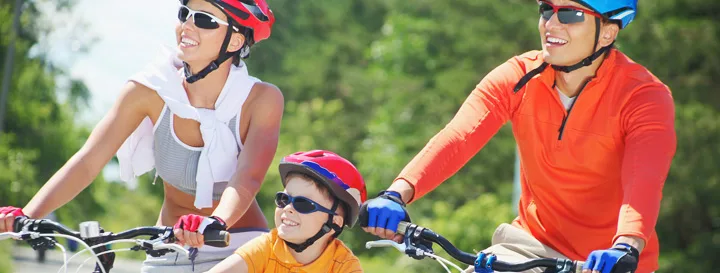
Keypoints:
(336, 172)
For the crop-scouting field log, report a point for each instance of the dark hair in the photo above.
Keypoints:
(249, 41)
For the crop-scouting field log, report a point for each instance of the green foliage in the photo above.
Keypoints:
(689, 221)
(6, 265)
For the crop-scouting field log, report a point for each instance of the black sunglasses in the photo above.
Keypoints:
(566, 14)
(301, 204)
(201, 19)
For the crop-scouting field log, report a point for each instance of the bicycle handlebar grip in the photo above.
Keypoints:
(579, 266)
(19, 223)
(402, 227)
(217, 238)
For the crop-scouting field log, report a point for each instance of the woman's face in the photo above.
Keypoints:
(200, 45)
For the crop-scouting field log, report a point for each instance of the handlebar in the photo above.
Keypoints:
(39, 232)
(416, 235)
(216, 238)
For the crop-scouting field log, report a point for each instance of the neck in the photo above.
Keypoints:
(571, 83)
(313, 252)
(203, 93)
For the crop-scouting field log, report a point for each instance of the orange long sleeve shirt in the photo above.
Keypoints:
(587, 176)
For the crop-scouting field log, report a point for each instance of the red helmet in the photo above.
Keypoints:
(337, 173)
(253, 14)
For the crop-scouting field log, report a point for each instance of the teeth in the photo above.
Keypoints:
(289, 223)
(556, 40)
(189, 42)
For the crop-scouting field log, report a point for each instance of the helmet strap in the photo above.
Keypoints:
(222, 57)
(327, 227)
(525, 79)
(589, 60)
(585, 62)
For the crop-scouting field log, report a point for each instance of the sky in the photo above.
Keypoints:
(126, 36)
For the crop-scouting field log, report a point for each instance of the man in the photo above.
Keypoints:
(596, 136)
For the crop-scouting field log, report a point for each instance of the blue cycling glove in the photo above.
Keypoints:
(619, 259)
(385, 211)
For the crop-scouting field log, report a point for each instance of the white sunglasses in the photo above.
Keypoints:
(201, 19)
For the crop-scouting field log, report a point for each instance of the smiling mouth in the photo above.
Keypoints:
(556, 41)
(187, 42)
(288, 222)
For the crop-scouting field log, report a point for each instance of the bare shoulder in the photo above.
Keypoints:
(268, 94)
(138, 93)
(266, 101)
(136, 89)
(138, 96)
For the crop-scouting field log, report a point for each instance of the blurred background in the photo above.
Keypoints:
(372, 80)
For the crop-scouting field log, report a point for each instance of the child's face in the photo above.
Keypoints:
(296, 227)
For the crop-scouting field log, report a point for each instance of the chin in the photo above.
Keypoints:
(190, 55)
(182, 55)
(558, 61)
(289, 237)
(546, 56)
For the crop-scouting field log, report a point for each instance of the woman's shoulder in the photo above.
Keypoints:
(267, 94)
(138, 89)
(267, 89)
(134, 92)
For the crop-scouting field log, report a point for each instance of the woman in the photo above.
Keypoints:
(208, 128)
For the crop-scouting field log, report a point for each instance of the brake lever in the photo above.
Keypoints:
(416, 246)
(171, 247)
(149, 248)
(157, 247)
(36, 241)
(10, 235)
(385, 243)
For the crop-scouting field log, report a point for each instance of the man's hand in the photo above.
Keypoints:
(621, 258)
(381, 215)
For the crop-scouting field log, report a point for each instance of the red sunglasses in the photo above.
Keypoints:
(566, 14)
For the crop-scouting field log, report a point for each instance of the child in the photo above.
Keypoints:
(323, 192)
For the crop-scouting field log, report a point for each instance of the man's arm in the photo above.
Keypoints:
(490, 105)
(650, 143)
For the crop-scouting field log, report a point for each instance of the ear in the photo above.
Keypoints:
(608, 34)
(237, 40)
(338, 220)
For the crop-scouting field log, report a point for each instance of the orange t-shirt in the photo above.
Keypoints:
(268, 253)
(584, 184)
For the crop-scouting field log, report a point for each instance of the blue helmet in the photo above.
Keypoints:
(622, 11)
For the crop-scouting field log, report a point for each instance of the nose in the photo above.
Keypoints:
(188, 24)
(289, 208)
(553, 22)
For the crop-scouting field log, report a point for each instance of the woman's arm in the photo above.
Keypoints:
(254, 160)
(104, 141)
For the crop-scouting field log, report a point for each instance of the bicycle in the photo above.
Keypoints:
(39, 234)
(417, 243)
